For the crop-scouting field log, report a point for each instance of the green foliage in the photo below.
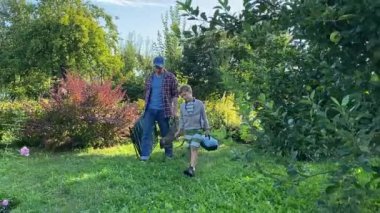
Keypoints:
(140, 105)
(308, 69)
(353, 188)
(134, 86)
(205, 59)
(246, 134)
(37, 84)
(172, 35)
(129, 54)
(223, 113)
(169, 44)
(284, 73)
(137, 66)
(319, 131)
(13, 116)
(38, 39)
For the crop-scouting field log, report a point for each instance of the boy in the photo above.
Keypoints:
(192, 121)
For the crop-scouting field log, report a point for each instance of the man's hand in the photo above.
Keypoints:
(177, 134)
(175, 107)
(175, 113)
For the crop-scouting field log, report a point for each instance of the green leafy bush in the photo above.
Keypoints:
(36, 84)
(246, 134)
(223, 113)
(13, 116)
(314, 130)
(310, 69)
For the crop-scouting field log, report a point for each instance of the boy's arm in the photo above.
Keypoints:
(204, 117)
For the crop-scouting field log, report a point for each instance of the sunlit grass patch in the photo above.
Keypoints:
(114, 180)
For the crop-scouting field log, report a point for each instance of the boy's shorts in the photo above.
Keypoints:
(194, 137)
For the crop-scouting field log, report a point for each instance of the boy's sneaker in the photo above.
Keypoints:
(189, 172)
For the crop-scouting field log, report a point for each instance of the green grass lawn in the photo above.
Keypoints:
(113, 180)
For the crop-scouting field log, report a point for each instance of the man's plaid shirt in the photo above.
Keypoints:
(169, 91)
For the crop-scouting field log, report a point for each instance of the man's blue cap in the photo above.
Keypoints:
(159, 61)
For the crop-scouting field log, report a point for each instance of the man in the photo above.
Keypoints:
(161, 96)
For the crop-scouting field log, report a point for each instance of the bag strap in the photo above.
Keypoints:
(200, 119)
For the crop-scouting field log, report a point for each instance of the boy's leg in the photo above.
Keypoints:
(146, 144)
(193, 157)
(195, 143)
(163, 123)
(194, 146)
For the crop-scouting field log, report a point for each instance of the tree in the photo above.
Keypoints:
(43, 40)
(168, 42)
(307, 71)
(130, 53)
(172, 35)
(137, 66)
(202, 65)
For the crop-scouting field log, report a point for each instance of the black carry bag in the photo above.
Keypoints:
(136, 133)
(167, 141)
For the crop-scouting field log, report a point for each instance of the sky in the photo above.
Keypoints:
(143, 17)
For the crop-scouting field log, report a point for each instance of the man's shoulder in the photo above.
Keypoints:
(170, 74)
(149, 77)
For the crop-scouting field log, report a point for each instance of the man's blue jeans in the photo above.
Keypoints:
(150, 117)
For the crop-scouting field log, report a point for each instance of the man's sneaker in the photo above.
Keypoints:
(169, 152)
(189, 172)
(144, 158)
(167, 158)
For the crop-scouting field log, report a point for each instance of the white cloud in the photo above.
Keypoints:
(138, 3)
(208, 5)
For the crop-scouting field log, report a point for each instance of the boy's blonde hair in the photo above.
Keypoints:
(185, 88)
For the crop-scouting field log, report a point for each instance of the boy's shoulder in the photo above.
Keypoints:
(199, 102)
(196, 101)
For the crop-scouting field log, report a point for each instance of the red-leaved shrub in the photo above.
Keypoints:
(81, 114)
